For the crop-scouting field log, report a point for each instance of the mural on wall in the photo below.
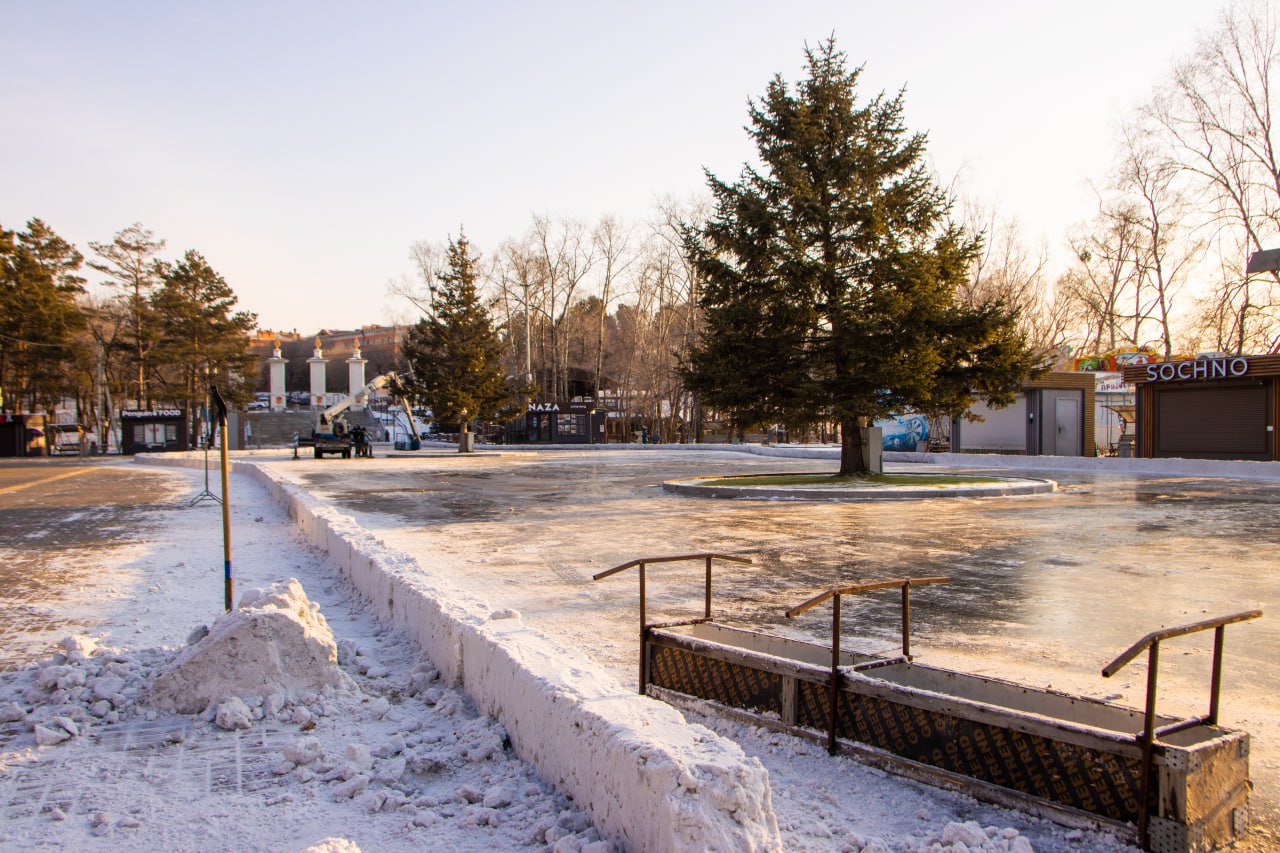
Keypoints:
(904, 432)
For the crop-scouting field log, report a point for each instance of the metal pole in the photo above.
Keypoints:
(1148, 745)
(228, 583)
(906, 619)
(644, 634)
(835, 675)
(1219, 638)
(708, 603)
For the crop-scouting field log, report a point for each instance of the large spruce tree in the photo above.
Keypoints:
(830, 273)
(454, 354)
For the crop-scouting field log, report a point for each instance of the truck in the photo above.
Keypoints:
(332, 434)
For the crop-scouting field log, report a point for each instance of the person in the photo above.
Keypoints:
(360, 440)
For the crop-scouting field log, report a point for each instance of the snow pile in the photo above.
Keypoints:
(63, 697)
(396, 752)
(276, 644)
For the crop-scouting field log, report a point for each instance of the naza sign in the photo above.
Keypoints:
(1208, 368)
(544, 407)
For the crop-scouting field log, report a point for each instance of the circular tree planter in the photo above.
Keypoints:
(899, 487)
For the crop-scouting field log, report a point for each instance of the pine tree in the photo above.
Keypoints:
(40, 321)
(454, 354)
(201, 339)
(831, 274)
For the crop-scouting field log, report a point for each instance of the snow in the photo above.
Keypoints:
(649, 780)
(455, 725)
(370, 763)
(275, 645)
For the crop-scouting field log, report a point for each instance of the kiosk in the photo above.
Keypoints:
(159, 431)
(1219, 407)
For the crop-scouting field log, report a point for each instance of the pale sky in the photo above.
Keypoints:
(302, 147)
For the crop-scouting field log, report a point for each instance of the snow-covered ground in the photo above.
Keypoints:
(390, 759)
(438, 775)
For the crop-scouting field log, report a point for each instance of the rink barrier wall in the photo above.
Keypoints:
(1241, 468)
(1173, 467)
(651, 781)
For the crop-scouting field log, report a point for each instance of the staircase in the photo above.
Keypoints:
(276, 429)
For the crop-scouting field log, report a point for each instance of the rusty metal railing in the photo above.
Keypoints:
(644, 624)
(834, 593)
(1147, 737)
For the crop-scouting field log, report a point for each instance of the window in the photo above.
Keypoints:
(155, 434)
(572, 424)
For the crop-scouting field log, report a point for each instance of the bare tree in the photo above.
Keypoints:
(131, 266)
(1219, 113)
(611, 242)
(1105, 276)
(1165, 250)
(1008, 270)
(567, 254)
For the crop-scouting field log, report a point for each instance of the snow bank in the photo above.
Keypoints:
(650, 780)
(276, 643)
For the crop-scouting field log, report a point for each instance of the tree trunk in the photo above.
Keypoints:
(856, 457)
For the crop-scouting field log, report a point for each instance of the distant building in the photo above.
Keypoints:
(381, 345)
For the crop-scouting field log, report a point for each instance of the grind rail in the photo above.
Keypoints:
(644, 624)
(1149, 734)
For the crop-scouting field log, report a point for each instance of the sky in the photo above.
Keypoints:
(303, 147)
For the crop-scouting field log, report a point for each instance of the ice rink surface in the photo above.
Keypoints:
(1045, 589)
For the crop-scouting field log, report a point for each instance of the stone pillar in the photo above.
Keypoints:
(278, 400)
(318, 365)
(355, 379)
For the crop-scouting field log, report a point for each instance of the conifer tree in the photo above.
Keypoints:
(830, 274)
(200, 338)
(40, 321)
(454, 354)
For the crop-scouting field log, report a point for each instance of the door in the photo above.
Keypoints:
(1066, 411)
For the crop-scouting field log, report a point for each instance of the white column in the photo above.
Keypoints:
(278, 401)
(355, 378)
(317, 362)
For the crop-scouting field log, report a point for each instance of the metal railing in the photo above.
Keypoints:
(834, 593)
(1147, 737)
(644, 624)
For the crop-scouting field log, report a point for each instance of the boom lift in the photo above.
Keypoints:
(332, 434)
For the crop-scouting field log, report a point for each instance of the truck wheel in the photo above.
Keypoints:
(346, 454)
(319, 453)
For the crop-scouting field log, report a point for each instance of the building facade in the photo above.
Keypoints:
(1221, 407)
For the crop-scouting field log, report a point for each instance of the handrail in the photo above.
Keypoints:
(644, 622)
(1179, 631)
(869, 586)
(645, 560)
(835, 593)
(1147, 737)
